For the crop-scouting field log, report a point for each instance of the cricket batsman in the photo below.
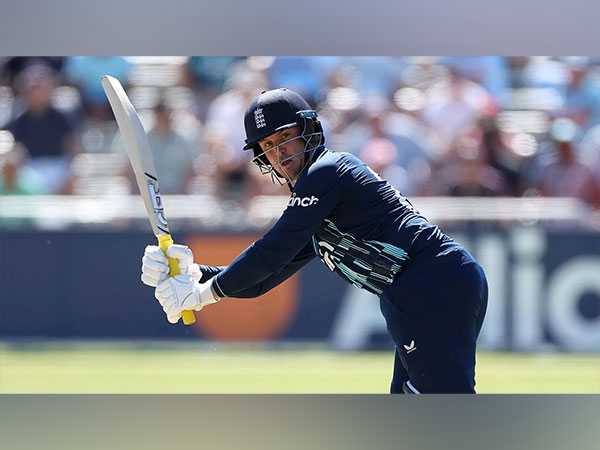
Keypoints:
(432, 292)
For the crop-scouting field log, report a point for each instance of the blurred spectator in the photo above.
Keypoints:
(476, 179)
(98, 129)
(497, 154)
(538, 72)
(423, 73)
(416, 144)
(374, 117)
(378, 131)
(341, 111)
(46, 133)
(376, 75)
(589, 149)
(225, 132)
(86, 72)
(207, 76)
(174, 153)
(454, 105)
(209, 72)
(381, 154)
(15, 177)
(306, 75)
(517, 66)
(582, 97)
(12, 67)
(491, 72)
(465, 171)
(564, 175)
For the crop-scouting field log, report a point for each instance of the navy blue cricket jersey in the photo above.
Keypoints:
(355, 222)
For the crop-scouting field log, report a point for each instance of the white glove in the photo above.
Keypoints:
(180, 293)
(155, 266)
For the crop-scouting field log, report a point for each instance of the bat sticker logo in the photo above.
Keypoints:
(157, 204)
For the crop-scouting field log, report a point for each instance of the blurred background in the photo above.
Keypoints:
(502, 152)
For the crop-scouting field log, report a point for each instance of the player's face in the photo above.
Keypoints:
(285, 152)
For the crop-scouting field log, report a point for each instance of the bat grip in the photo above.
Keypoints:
(164, 242)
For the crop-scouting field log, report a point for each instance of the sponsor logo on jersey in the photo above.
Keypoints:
(302, 201)
(259, 117)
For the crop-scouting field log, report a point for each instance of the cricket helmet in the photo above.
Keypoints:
(275, 110)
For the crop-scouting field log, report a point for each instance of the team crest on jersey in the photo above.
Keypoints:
(259, 117)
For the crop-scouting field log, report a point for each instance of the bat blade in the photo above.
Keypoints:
(139, 153)
(142, 161)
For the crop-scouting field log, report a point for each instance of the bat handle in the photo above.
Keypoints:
(164, 242)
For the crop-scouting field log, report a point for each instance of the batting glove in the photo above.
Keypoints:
(182, 292)
(155, 265)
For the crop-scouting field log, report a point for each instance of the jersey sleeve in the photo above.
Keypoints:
(209, 271)
(316, 195)
(299, 261)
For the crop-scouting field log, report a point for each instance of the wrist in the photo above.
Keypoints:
(214, 291)
(206, 294)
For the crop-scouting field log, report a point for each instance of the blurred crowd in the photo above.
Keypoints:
(436, 126)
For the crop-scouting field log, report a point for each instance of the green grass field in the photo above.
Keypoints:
(151, 367)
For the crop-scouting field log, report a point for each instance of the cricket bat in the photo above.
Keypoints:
(140, 156)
